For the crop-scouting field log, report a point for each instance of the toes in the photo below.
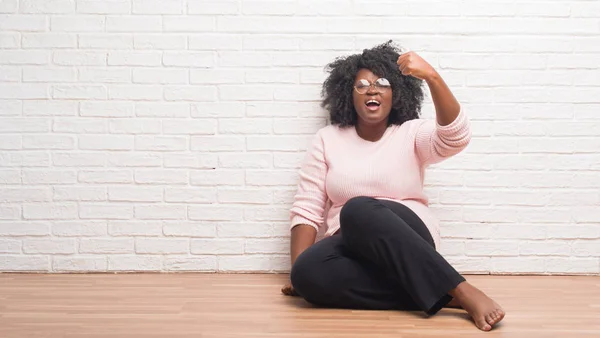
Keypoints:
(489, 319)
(494, 317)
(499, 315)
(482, 325)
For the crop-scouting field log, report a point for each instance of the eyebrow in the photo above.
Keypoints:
(357, 81)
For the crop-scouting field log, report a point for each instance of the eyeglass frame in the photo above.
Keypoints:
(373, 84)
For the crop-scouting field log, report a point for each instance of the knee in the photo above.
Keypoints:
(308, 280)
(354, 209)
(301, 274)
(297, 273)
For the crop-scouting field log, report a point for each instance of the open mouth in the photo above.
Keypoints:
(373, 104)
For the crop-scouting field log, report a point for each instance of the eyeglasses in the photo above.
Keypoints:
(381, 85)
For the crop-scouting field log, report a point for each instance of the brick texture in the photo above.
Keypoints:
(148, 135)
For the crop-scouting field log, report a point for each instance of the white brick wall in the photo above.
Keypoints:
(146, 135)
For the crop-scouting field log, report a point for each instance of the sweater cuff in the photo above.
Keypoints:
(459, 123)
(297, 220)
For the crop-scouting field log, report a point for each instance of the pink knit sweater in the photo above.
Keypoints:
(340, 165)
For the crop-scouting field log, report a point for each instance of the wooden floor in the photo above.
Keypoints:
(222, 306)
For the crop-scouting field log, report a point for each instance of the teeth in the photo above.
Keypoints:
(372, 101)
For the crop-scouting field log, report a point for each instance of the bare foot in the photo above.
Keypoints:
(454, 303)
(485, 312)
(289, 290)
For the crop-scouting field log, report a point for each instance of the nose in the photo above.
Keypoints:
(372, 90)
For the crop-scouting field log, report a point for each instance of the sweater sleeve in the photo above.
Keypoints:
(310, 199)
(434, 142)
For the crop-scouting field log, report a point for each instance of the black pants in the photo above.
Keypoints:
(384, 258)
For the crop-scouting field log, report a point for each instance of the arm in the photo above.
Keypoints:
(303, 236)
(309, 202)
(450, 133)
(447, 107)
(307, 213)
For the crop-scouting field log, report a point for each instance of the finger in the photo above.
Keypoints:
(406, 70)
(407, 55)
(405, 66)
(401, 67)
(404, 63)
(402, 58)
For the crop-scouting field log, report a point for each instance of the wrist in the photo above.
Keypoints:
(432, 77)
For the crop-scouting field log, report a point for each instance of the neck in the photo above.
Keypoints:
(371, 133)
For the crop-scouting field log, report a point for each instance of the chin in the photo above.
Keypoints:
(371, 118)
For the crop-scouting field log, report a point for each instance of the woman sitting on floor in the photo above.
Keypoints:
(362, 180)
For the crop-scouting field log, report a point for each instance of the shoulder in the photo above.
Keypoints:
(331, 132)
(411, 127)
(415, 123)
(328, 138)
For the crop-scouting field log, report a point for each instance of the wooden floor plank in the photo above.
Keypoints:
(223, 305)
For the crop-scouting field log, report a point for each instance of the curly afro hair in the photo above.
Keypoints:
(407, 91)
